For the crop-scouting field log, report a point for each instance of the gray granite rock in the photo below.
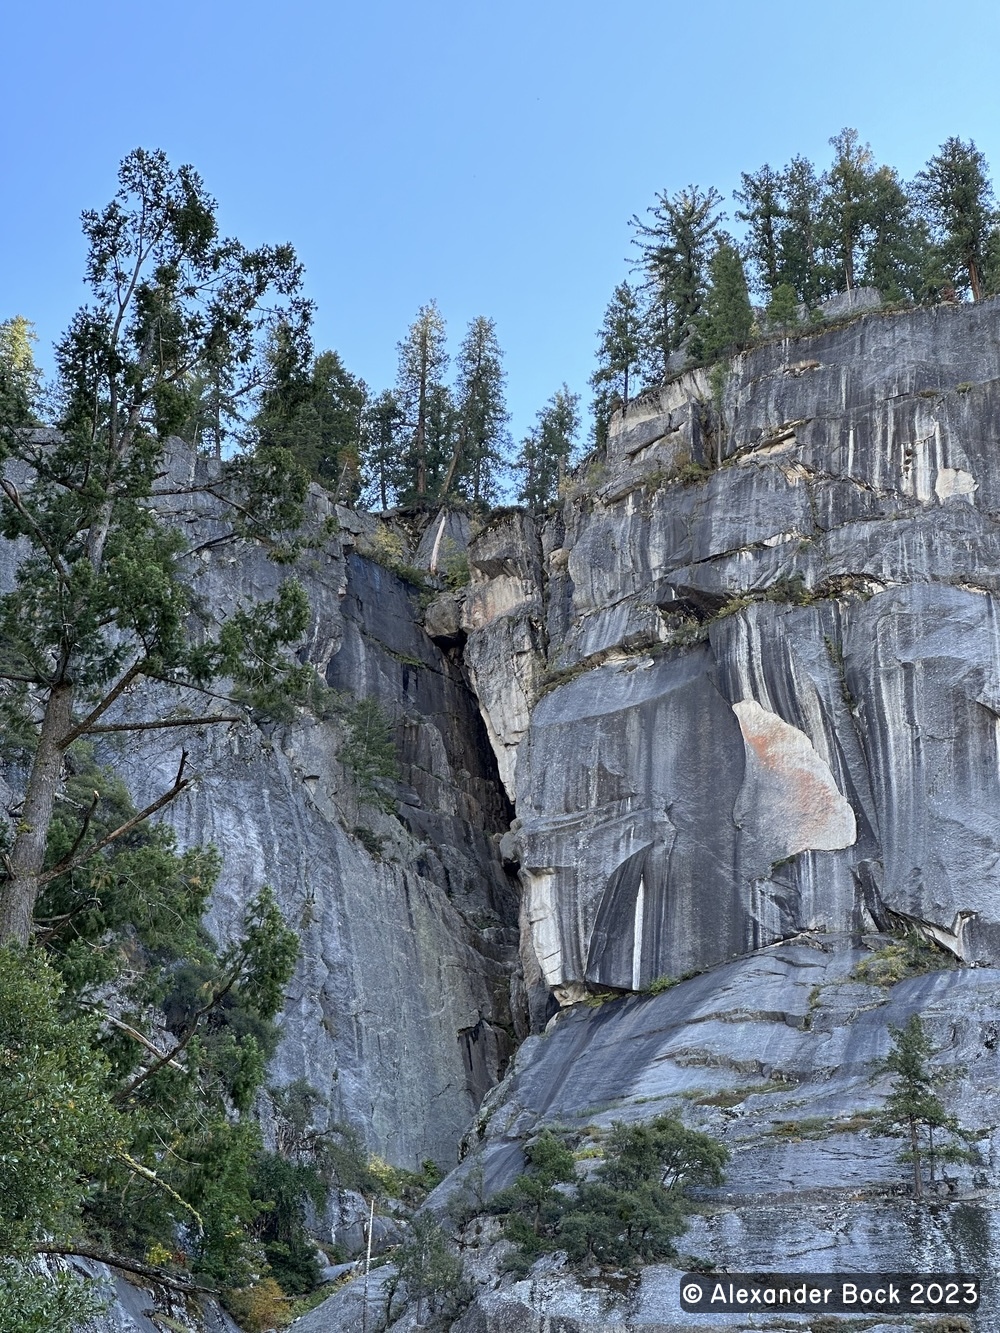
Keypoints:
(748, 689)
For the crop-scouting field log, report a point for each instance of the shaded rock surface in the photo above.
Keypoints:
(408, 921)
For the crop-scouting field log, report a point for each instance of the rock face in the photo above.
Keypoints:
(740, 691)
(400, 1012)
(777, 1056)
(744, 682)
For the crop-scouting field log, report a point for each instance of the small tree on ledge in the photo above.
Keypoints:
(913, 1111)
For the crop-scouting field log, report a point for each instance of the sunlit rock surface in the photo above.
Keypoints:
(768, 672)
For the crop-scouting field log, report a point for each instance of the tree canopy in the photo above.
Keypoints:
(104, 596)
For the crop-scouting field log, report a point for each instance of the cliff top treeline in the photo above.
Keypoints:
(440, 433)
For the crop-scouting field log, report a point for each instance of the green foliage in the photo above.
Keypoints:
(960, 209)
(431, 1272)
(726, 322)
(33, 1303)
(381, 423)
(57, 1122)
(822, 233)
(660, 984)
(19, 377)
(312, 407)
(783, 308)
(455, 566)
(104, 598)
(910, 956)
(630, 1211)
(912, 1110)
(621, 358)
(425, 408)
(260, 1308)
(369, 751)
(481, 439)
(281, 1190)
(675, 249)
(546, 450)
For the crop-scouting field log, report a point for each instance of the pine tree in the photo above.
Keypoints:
(312, 407)
(762, 198)
(19, 377)
(727, 321)
(896, 244)
(381, 429)
(423, 361)
(338, 400)
(675, 252)
(621, 358)
(798, 247)
(912, 1110)
(546, 450)
(101, 601)
(845, 212)
(960, 208)
(783, 308)
(480, 436)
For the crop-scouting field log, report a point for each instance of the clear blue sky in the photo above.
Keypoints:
(486, 155)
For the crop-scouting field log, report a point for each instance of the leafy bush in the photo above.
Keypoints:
(259, 1308)
(431, 1272)
(910, 956)
(369, 752)
(630, 1212)
(33, 1303)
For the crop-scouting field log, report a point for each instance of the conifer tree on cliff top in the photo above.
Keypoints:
(102, 598)
(675, 247)
(960, 207)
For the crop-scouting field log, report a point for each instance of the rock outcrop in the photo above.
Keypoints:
(743, 682)
(400, 1012)
(736, 700)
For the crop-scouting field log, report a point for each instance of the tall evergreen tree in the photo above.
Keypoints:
(546, 450)
(675, 250)
(621, 357)
(845, 213)
(762, 198)
(896, 243)
(19, 377)
(312, 407)
(799, 264)
(102, 601)
(960, 208)
(727, 320)
(480, 437)
(383, 471)
(420, 394)
(913, 1111)
(338, 400)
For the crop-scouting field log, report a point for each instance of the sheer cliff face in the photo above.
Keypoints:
(400, 1010)
(745, 683)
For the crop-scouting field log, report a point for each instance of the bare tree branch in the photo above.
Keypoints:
(166, 722)
(119, 1261)
(120, 686)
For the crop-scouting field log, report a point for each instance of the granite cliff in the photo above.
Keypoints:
(742, 690)
(731, 710)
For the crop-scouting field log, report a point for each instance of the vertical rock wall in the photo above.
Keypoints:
(744, 682)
